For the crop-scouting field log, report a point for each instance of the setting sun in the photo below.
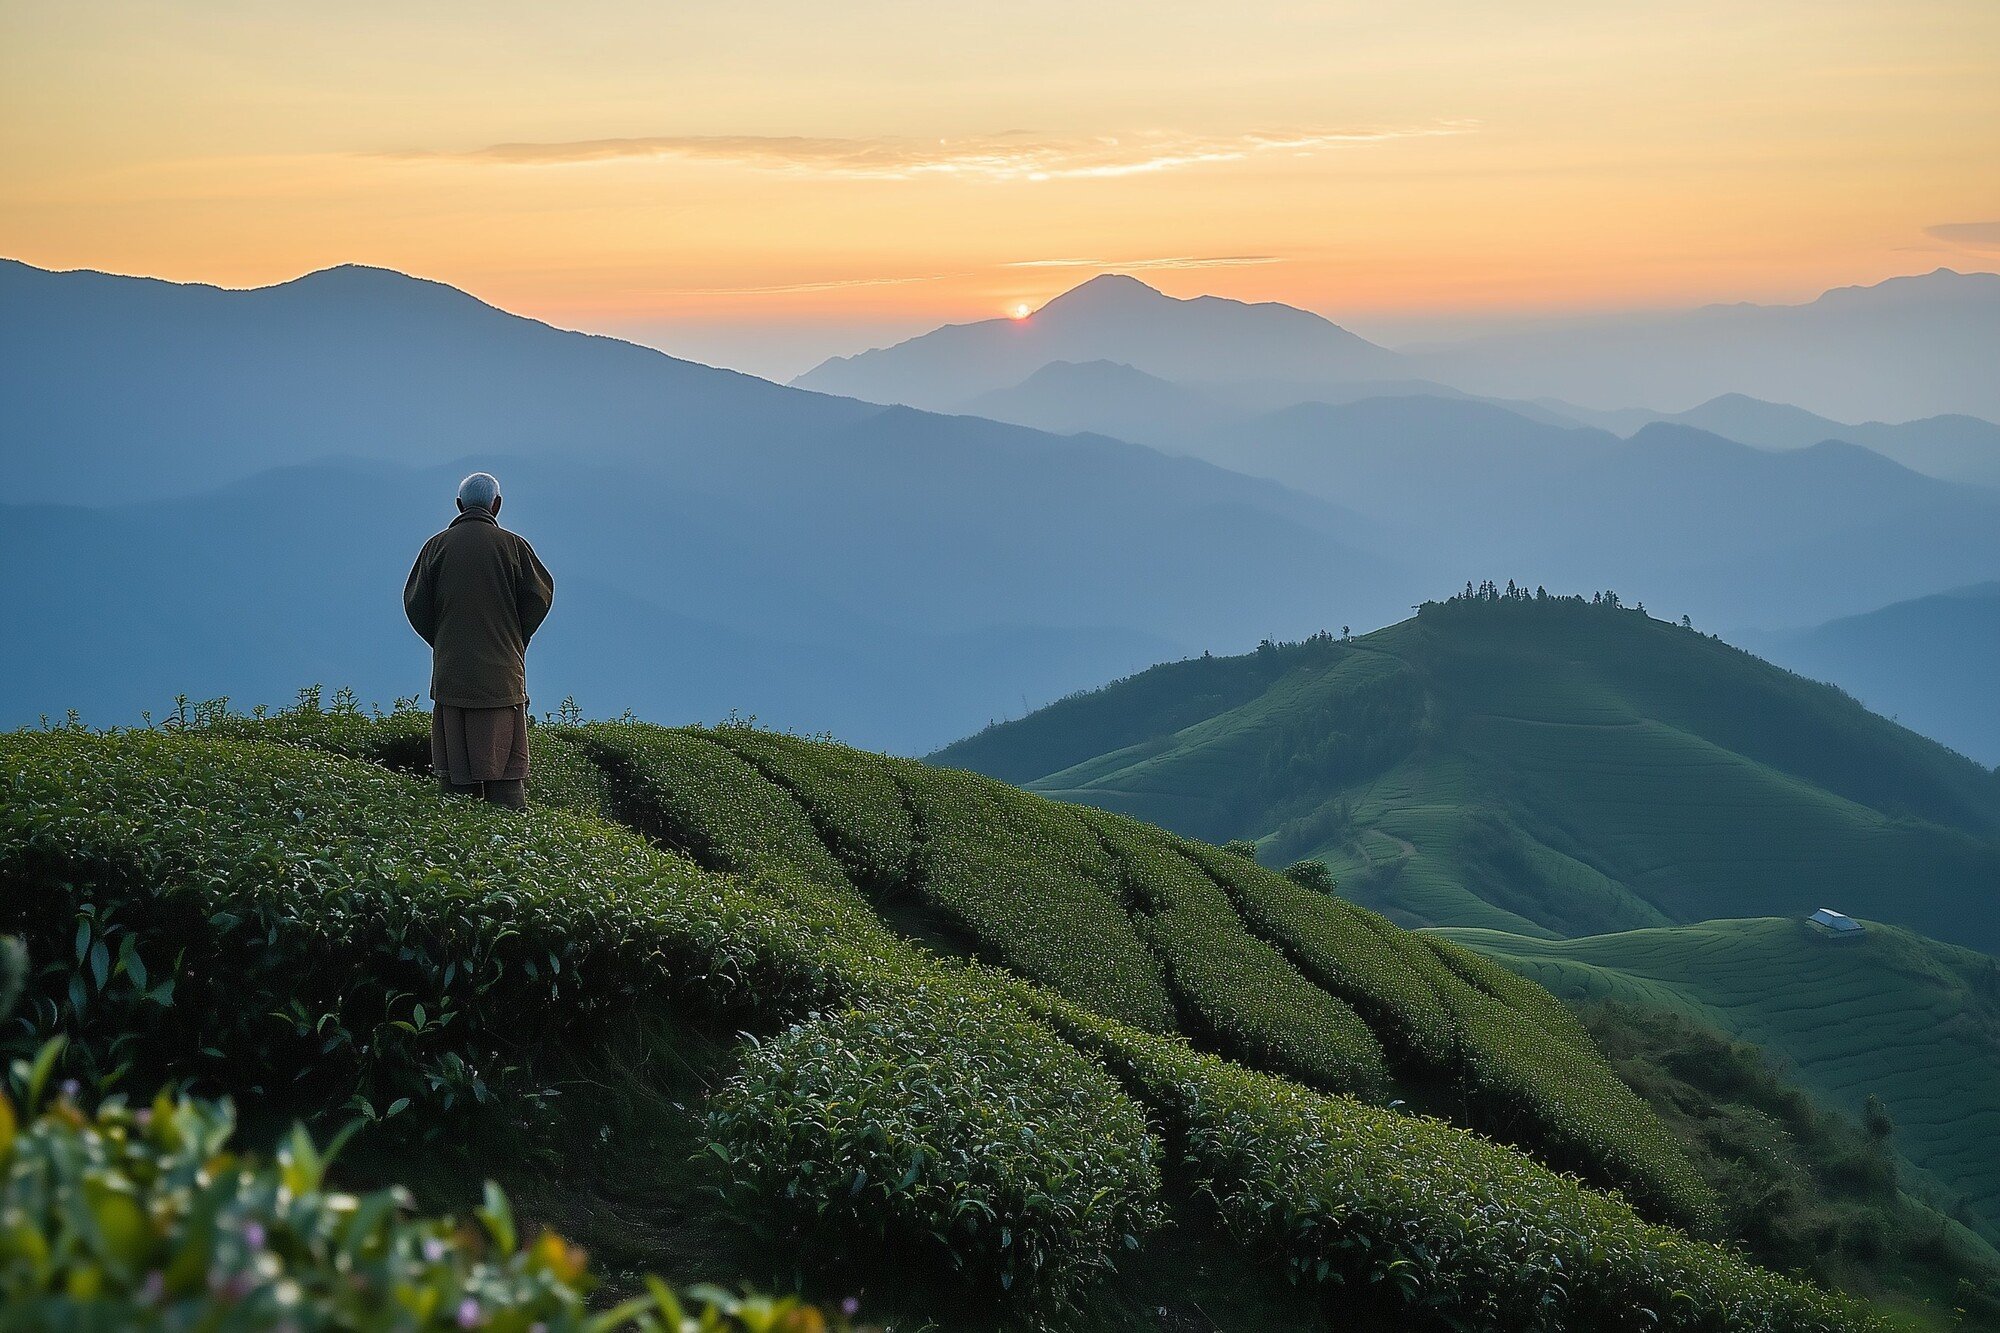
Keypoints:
(1020, 311)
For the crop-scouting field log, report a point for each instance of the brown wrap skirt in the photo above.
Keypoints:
(471, 745)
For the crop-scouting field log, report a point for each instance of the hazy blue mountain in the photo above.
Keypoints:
(115, 388)
(294, 578)
(1955, 448)
(1691, 521)
(1105, 398)
(1111, 398)
(1907, 348)
(1112, 317)
(985, 561)
(1932, 663)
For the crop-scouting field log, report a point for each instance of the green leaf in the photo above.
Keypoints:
(39, 1071)
(498, 1216)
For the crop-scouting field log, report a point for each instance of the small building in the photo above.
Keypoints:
(1835, 925)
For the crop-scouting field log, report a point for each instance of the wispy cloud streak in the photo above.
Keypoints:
(1970, 235)
(1017, 156)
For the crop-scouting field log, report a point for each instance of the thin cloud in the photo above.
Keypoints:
(1001, 157)
(1970, 235)
(1131, 265)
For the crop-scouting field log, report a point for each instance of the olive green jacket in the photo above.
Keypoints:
(477, 594)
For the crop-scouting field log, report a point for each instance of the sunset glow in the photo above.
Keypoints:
(764, 183)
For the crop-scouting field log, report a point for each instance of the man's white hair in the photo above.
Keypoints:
(479, 491)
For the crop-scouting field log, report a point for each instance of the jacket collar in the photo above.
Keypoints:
(475, 516)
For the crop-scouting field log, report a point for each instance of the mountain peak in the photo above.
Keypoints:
(1107, 291)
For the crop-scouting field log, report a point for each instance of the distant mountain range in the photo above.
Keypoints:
(1910, 347)
(1932, 663)
(938, 571)
(1954, 448)
(1111, 317)
(905, 576)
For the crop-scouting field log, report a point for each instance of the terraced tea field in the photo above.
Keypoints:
(1891, 1014)
(739, 1002)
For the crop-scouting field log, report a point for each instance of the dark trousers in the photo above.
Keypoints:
(512, 793)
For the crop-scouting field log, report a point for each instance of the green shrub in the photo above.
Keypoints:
(1238, 990)
(949, 1125)
(399, 739)
(562, 774)
(1516, 1063)
(334, 935)
(1804, 1189)
(1427, 1219)
(1333, 942)
(1312, 875)
(850, 795)
(141, 1218)
(1031, 883)
(687, 792)
(13, 972)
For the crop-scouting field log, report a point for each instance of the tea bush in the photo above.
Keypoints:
(1527, 1074)
(1028, 878)
(560, 775)
(332, 938)
(685, 791)
(1331, 940)
(850, 795)
(1239, 990)
(951, 1123)
(1428, 1219)
(13, 972)
(141, 1218)
(399, 739)
(347, 936)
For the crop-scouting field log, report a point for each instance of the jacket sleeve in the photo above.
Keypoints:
(420, 597)
(534, 593)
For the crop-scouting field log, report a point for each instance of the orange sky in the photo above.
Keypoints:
(762, 182)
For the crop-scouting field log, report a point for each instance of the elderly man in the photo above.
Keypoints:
(477, 594)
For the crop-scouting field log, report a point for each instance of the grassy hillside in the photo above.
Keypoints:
(732, 1000)
(1906, 1020)
(1544, 767)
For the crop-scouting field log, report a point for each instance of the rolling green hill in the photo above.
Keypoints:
(1547, 767)
(736, 1003)
(1890, 1015)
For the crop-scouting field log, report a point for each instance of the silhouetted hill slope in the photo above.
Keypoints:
(1112, 317)
(1954, 448)
(120, 387)
(1892, 1015)
(1549, 768)
(1932, 663)
(776, 517)
(1917, 346)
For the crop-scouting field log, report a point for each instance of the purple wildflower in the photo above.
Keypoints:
(468, 1313)
(253, 1235)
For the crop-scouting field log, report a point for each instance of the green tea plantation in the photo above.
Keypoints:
(735, 1007)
